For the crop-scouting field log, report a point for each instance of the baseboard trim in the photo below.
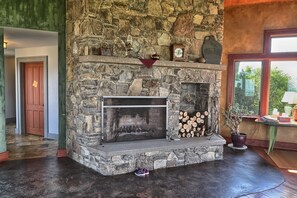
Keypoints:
(61, 153)
(4, 156)
(265, 144)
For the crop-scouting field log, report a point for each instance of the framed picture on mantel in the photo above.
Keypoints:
(179, 52)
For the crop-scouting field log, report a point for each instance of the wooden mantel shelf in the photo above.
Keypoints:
(158, 63)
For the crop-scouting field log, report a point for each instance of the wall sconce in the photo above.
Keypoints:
(5, 45)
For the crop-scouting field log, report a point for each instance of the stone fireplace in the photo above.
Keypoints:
(122, 100)
(127, 30)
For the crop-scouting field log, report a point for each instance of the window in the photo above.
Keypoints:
(247, 87)
(283, 44)
(283, 77)
(257, 82)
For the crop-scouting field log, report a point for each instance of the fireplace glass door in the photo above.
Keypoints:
(129, 118)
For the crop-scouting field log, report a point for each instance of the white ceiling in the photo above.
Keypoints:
(25, 38)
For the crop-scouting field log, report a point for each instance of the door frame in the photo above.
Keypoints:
(20, 100)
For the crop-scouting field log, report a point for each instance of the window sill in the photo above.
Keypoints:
(250, 118)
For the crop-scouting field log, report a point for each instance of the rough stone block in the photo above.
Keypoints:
(135, 88)
(161, 163)
(152, 153)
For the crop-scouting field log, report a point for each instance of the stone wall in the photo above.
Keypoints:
(141, 27)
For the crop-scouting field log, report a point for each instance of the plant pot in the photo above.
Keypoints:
(238, 140)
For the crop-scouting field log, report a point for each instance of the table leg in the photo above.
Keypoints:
(272, 137)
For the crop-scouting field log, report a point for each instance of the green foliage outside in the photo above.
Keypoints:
(278, 86)
(250, 100)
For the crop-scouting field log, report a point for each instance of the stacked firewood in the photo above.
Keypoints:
(192, 125)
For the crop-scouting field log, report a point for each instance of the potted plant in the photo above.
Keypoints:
(233, 117)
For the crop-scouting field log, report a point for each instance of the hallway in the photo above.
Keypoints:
(28, 146)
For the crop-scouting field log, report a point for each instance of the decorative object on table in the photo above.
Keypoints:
(283, 118)
(105, 50)
(179, 52)
(294, 101)
(147, 62)
(233, 117)
(155, 56)
(295, 113)
(269, 119)
(275, 112)
(212, 50)
(290, 98)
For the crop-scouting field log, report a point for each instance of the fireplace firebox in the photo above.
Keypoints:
(129, 118)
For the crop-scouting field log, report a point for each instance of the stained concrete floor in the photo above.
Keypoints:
(240, 173)
(24, 146)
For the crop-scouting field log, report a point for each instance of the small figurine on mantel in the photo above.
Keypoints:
(155, 56)
(201, 60)
(105, 50)
(193, 58)
(94, 50)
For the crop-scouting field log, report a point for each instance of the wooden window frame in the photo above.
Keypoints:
(266, 57)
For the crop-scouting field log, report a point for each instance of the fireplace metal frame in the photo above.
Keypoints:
(130, 106)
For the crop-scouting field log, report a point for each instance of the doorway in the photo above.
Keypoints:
(31, 137)
(32, 96)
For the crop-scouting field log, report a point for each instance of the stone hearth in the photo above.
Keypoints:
(99, 76)
(124, 157)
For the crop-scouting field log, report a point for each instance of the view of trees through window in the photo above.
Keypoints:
(247, 89)
(283, 77)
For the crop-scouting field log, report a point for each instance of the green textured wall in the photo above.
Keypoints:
(2, 98)
(33, 14)
(47, 15)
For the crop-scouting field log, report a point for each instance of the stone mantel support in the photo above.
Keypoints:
(159, 63)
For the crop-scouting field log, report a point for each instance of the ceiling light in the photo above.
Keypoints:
(292, 171)
(5, 45)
